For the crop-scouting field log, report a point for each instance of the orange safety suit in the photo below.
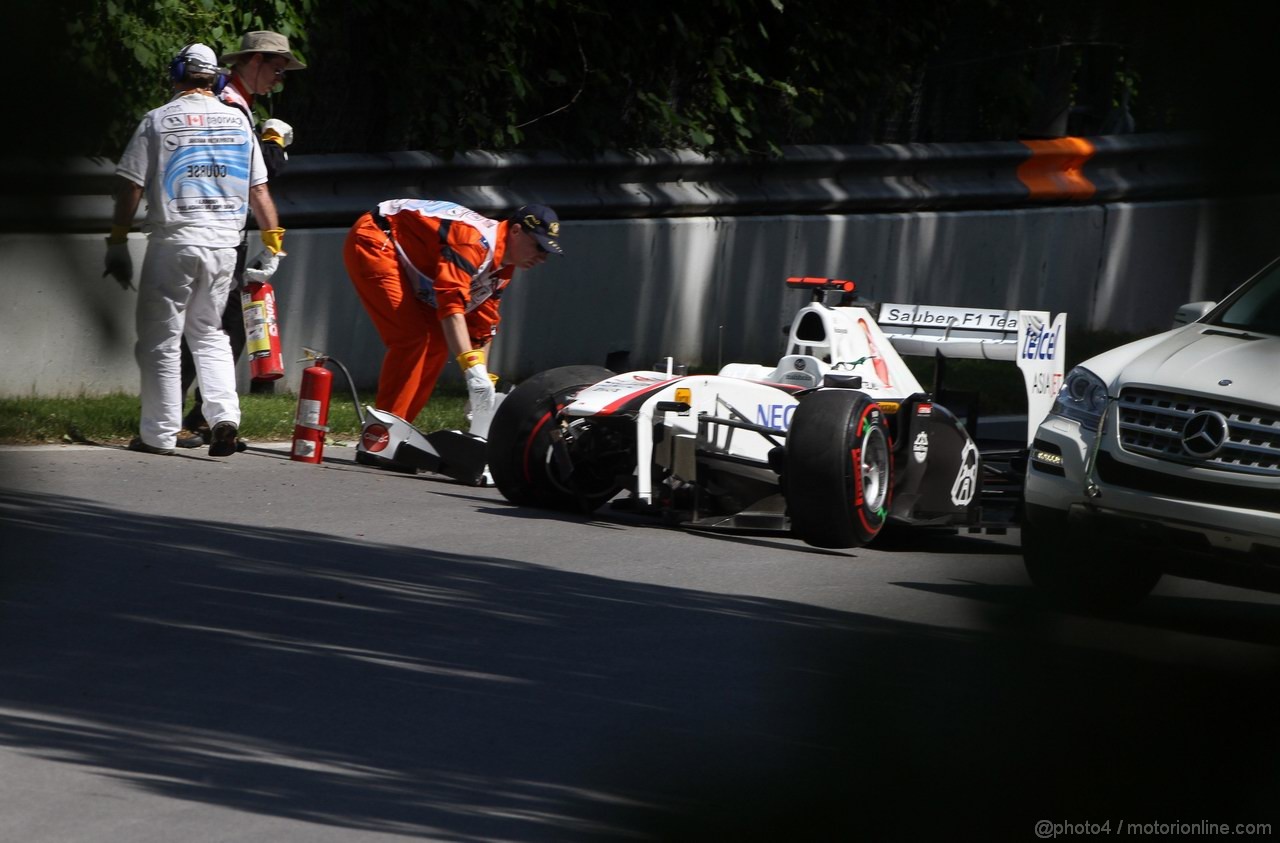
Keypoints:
(414, 262)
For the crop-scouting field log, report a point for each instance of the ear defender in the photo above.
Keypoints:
(178, 67)
(178, 70)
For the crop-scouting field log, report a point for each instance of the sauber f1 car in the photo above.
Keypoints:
(833, 442)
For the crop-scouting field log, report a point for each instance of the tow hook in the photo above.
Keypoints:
(1091, 488)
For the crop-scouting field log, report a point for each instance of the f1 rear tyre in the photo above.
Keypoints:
(839, 469)
(520, 444)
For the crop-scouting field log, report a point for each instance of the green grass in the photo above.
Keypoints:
(264, 418)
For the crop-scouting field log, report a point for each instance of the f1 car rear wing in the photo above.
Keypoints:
(1029, 338)
(839, 331)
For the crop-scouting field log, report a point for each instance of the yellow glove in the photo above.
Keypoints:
(467, 359)
(273, 239)
(119, 234)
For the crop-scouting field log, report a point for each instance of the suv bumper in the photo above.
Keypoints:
(1174, 509)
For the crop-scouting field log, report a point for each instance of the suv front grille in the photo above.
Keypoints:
(1152, 423)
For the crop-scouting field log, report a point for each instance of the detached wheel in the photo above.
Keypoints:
(839, 469)
(520, 455)
(1079, 575)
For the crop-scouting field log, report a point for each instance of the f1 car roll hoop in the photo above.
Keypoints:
(832, 443)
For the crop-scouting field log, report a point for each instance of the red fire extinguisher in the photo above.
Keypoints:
(262, 332)
(312, 420)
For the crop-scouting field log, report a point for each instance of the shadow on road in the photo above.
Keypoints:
(388, 689)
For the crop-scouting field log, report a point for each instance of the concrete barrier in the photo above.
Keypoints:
(706, 288)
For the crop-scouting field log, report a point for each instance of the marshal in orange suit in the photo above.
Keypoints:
(431, 273)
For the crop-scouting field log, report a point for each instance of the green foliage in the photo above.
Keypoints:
(114, 418)
(124, 47)
(716, 76)
(744, 76)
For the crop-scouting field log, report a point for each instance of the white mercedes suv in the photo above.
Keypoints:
(1163, 455)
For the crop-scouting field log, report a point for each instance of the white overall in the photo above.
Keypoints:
(196, 159)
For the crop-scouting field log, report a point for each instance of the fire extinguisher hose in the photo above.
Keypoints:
(351, 384)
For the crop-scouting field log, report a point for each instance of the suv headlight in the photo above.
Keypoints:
(1083, 398)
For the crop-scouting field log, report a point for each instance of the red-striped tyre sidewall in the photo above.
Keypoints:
(839, 470)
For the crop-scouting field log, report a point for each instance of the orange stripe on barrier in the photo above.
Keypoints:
(1055, 169)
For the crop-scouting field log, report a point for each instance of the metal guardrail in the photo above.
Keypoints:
(333, 189)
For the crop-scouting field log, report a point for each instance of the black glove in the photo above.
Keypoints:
(119, 264)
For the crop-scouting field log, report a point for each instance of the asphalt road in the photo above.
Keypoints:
(252, 649)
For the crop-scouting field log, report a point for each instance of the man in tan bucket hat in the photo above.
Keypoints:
(257, 68)
(266, 43)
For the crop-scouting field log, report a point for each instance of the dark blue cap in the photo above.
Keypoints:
(541, 222)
